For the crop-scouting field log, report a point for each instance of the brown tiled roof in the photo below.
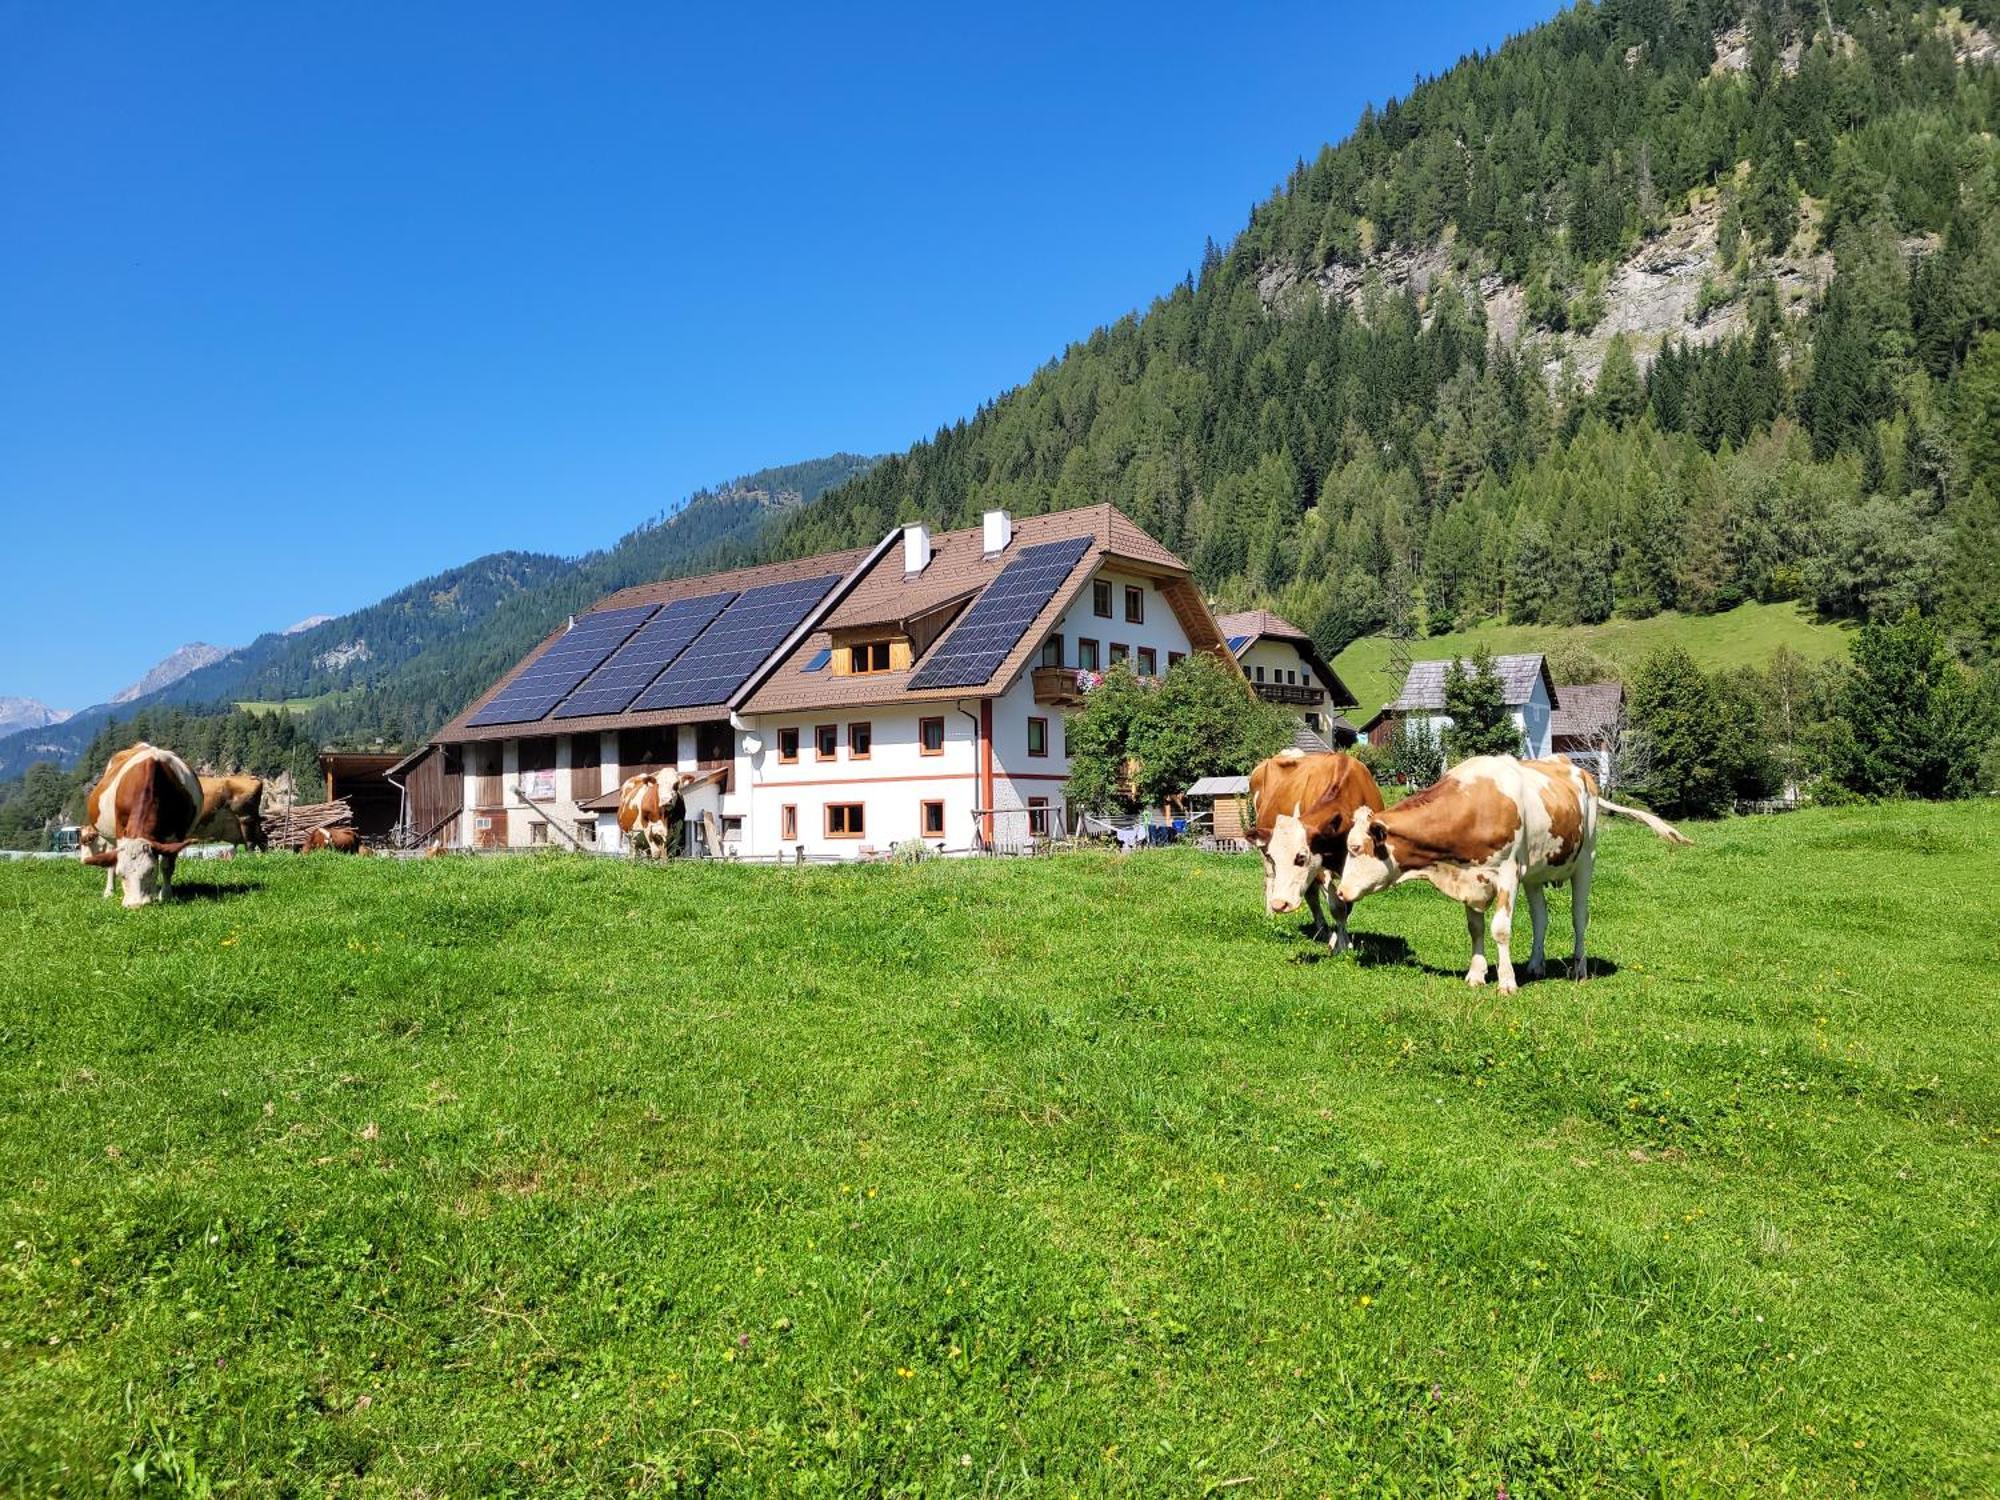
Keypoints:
(1256, 622)
(958, 564)
(1589, 710)
(663, 592)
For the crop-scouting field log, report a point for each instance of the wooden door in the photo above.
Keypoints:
(586, 766)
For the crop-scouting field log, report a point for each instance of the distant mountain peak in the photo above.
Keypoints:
(191, 657)
(28, 713)
(306, 624)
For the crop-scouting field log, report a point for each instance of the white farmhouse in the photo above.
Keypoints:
(1529, 691)
(836, 706)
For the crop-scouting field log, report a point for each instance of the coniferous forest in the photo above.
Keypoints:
(1386, 462)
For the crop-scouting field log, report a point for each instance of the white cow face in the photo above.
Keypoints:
(142, 871)
(1370, 865)
(1290, 866)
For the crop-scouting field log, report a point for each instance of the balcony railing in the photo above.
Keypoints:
(1285, 692)
(1058, 687)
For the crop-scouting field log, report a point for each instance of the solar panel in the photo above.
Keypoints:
(634, 665)
(972, 653)
(1236, 643)
(743, 635)
(562, 664)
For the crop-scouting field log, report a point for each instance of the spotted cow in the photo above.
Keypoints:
(137, 819)
(1491, 828)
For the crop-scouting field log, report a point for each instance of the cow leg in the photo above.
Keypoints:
(1319, 931)
(1579, 919)
(166, 876)
(110, 883)
(1475, 928)
(1503, 932)
(1341, 941)
(1538, 916)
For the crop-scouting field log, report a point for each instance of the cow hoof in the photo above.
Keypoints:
(1475, 979)
(1508, 987)
(1536, 971)
(1580, 973)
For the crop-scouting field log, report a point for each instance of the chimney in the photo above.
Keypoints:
(999, 528)
(916, 549)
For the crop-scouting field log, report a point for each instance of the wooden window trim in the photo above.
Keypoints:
(793, 758)
(924, 817)
(854, 659)
(922, 748)
(788, 822)
(821, 756)
(1135, 604)
(859, 833)
(1119, 652)
(1039, 805)
(1149, 661)
(867, 727)
(1041, 754)
(1053, 646)
(1100, 598)
(1175, 658)
(1096, 662)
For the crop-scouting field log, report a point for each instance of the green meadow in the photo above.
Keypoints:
(1742, 637)
(1069, 1176)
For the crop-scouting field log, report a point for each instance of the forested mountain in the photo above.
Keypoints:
(394, 671)
(1518, 431)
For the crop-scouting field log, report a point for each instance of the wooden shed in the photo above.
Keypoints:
(1227, 800)
(361, 780)
(432, 782)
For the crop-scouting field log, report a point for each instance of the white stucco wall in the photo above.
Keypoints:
(1277, 658)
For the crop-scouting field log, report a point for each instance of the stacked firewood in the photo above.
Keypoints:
(287, 827)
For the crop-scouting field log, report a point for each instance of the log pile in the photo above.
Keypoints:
(287, 827)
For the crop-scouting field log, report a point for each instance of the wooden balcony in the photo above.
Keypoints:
(1285, 692)
(1057, 687)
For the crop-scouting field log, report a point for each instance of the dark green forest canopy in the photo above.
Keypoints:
(1387, 463)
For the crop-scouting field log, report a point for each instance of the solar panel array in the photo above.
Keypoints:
(633, 666)
(743, 635)
(562, 664)
(1236, 643)
(972, 653)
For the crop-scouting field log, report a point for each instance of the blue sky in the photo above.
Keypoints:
(413, 283)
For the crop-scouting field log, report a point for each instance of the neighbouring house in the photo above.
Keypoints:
(841, 704)
(1285, 667)
(1529, 691)
(1586, 725)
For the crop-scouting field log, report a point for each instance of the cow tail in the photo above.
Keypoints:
(1660, 826)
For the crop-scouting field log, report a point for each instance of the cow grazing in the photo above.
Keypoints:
(1489, 829)
(138, 818)
(338, 840)
(1305, 805)
(646, 804)
(232, 811)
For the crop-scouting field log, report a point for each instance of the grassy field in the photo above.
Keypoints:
(1742, 637)
(556, 1176)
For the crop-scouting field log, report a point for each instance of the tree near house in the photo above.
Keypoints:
(1915, 723)
(1476, 702)
(1136, 745)
(1678, 765)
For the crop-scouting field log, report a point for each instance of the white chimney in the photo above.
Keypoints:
(916, 549)
(999, 531)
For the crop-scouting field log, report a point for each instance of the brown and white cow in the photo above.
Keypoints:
(138, 818)
(1489, 829)
(1305, 805)
(338, 840)
(646, 804)
(232, 811)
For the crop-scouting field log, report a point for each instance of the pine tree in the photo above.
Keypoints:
(1475, 700)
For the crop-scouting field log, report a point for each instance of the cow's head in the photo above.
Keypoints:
(140, 865)
(1370, 864)
(1290, 865)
